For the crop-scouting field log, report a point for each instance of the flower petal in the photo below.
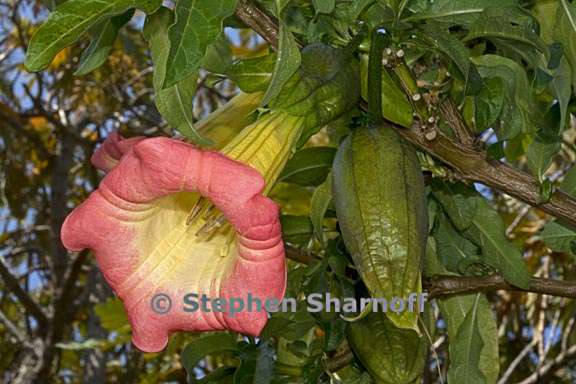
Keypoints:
(111, 151)
(136, 224)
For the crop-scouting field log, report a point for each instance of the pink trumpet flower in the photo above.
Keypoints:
(138, 224)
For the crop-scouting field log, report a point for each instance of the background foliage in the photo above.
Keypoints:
(507, 67)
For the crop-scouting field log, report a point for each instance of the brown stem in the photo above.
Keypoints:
(262, 23)
(299, 255)
(455, 285)
(452, 115)
(441, 286)
(475, 166)
(341, 359)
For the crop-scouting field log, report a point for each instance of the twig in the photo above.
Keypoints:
(13, 286)
(550, 367)
(299, 255)
(440, 286)
(506, 376)
(10, 326)
(453, 285)
(340, 359)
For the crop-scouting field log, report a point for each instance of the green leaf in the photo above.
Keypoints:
(458, 201)
(466, 348)
(256, 364)
(568, 185)
(309, 166)
(205, 345)
(463, 12)
(454, 250)
(454, 310)
(287, 63)
(296, 229)
(507, 23)
(546, 13)
(540, 154)
(218, 58)
(565, 30)
(562, 90)
(174, 103)
(218, 375)
(519, 107)
(558, 238)
(488, 232)
(198, 23)
(253, 75)
(324, 88)
(352, 374)
(319, 204)
(52, 4)
(335, 332)
(292, 327)
(70, 21)
(112, 315)
(324, 6)
(103, 38)
(439, 39)
(488, 104)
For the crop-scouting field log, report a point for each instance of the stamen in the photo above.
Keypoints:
(225, 249)
(208, 211)
(195, 211)
(211, 225)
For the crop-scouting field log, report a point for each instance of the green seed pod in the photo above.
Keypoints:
(391, 355)
(381, 206)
